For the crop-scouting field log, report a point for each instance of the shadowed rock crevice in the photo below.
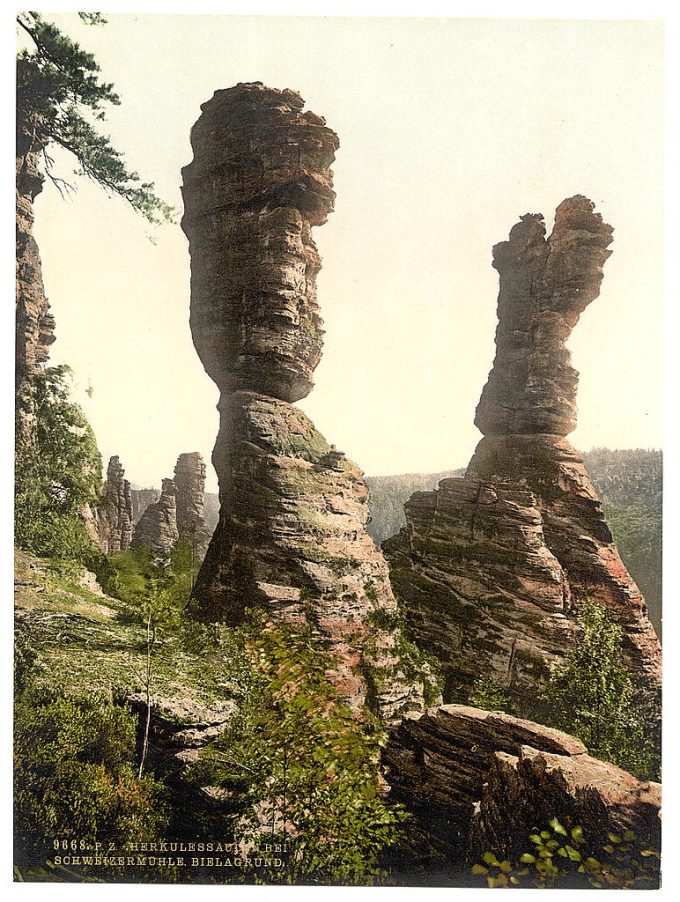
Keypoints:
(291, 536)
(491, 567)
(479, 780)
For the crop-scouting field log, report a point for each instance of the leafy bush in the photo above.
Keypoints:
(487, 695)
(56, 474)
(417, 665)
(594, 697)
(560, 856)
(303, 765)
(74, 774)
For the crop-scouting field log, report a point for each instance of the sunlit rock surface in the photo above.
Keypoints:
(34, 321)
(291, 536)
(491, 567)
(113, 516)
(157, 527)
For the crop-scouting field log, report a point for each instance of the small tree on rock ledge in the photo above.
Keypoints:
(593, 696)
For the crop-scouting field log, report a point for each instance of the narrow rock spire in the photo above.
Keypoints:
(291, 536)
(501, 559)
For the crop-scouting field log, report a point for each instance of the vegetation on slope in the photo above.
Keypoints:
(292, 766)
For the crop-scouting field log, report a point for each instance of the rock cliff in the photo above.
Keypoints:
(291, 535)
(491, 567)
(157, 527)
(34, 322)
(113, 517)
(479, 781)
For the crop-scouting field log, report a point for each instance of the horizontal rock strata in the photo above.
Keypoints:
(260, 179)
(189, 482)
(291, 536)
(491, 568)
(478, 781)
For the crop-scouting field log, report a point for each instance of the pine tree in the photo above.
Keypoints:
(59, 94)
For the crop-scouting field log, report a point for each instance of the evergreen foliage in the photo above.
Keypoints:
(56, 474)
(59, 96)
(593, 696)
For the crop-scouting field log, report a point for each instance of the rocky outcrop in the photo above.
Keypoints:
(157, 527)
(478, 781)
(291, 535)
(113, 516)
(190, 493)
(141, 499)
(34, 322)
(491, 568)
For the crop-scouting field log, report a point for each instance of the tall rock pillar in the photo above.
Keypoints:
(189, 482)
(291, 536)
(113, 516)
(492, 567)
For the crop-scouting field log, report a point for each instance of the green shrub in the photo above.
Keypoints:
(563, 856)
(594, 697)
(303, 765)
(487, 695)
(416, 664)
(74, 775)
(56, 474)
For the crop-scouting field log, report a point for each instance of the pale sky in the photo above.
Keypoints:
(449, 130)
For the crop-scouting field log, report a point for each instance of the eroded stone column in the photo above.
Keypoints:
(492, 567)
(291, 536)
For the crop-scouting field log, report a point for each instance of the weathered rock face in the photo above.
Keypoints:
(491, 567)
(34, 322)
(113, 517)
(260, 179)
(291, 535)
(141, 499)
(157, 527)
(479, 781)
(190, 492)
(545, 285)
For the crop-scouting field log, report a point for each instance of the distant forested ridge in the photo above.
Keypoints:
(630, 485)
(388, 494)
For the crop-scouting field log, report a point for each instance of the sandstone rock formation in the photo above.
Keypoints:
(189, 482)
(141, 499)
(478, 781)
(113, 517)
(491, 567)
(291, 535)
(157, 527)
(34, 322)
